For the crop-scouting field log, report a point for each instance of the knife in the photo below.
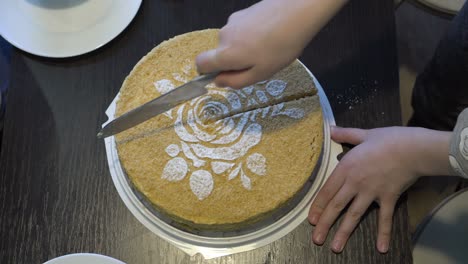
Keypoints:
(165, 102)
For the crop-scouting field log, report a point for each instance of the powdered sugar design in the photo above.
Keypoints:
(262, 97)
(172, 150)
(234, 172)
(201, 183)
(188, 153)
(179, 77)
(276, 87)
(248, 90)
(246, 182)
(164, 86)
(187, 67)
(250, 138)
(219, 167)
(257, 164)
(223, 146)
(175, 169)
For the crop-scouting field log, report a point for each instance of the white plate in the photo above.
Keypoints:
(81, 258)
(443, 236)
(64, 28)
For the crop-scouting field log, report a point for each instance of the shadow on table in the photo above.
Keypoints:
(28, 168)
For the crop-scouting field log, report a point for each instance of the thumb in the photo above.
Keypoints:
(221, 59)
(354, 136)
(208, 62)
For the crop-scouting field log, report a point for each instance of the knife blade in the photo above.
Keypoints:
(165, 102)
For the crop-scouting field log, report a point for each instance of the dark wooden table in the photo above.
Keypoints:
(56, 194)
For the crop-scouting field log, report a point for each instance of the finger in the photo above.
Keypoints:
(385, 226)
(220, 59)
(333, 209)
(208, 62)
(350, 221)
(326, 193)
(353, 136)
(237, 79)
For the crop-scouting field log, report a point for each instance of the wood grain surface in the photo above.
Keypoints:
(56, 193)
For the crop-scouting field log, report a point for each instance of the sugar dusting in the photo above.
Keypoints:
(246, 182)
(276, 87)
(175, 170)
(257, 164)
(236, 133)
(234, 172)
(219, 167)
(222, 145)
(188, 153)
(172, 150)
(164, 86)
(250, 138)
(201, 183)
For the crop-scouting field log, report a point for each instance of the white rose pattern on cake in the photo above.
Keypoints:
(221, 145)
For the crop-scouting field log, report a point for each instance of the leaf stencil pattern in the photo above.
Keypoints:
(235, 172)
(222, 146)
(221, 167)
(172, 150)
(201, 183)
(276, 87)
(257, 164)
(246, 181)
(175, 169)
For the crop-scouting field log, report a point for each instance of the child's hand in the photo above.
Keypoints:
(255, 44)
(384, 163)
(259, 41)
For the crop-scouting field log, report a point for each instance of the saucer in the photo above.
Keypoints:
(81, 258)
(64, 28)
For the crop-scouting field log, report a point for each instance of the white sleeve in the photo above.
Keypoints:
(458, 153)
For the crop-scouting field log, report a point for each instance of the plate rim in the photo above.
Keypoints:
(96, 255)
(430, 216)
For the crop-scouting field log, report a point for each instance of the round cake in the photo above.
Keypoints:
(227, 158)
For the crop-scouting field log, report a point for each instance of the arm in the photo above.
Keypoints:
(384, 163)
(259, 41)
